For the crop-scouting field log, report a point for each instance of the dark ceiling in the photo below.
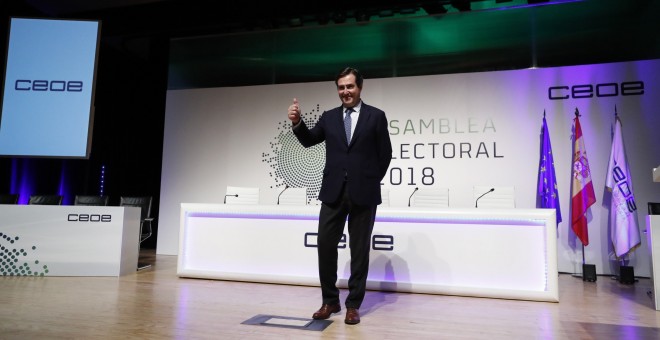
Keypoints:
(392, 37)
(296, 41)
(176, 18)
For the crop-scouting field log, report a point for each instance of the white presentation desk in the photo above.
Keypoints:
(47, 240)
(500, 253)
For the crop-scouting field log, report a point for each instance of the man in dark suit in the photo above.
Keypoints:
(358, 152)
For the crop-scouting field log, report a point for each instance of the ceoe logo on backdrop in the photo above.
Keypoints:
(626, 88)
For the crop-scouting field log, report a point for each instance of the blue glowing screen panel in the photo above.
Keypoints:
(48, 88)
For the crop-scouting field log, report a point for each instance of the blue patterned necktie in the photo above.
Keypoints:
(347, 124)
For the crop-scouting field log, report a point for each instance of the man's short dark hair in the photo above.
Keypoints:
(349, 70)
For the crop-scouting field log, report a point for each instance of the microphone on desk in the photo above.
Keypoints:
(232, 195)
(411, 195)
(482, 195)
(286, 186)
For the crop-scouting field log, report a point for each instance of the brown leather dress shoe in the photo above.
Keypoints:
(325, 311)
(352, 316)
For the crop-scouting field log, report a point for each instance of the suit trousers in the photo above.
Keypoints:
(332, 219)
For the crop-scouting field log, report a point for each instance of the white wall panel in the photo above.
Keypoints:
(240, 136)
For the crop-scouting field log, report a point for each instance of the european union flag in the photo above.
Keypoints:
(547, 190)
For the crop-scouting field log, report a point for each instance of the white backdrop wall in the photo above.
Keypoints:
(455, 131)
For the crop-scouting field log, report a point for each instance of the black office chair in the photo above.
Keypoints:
(654, 208)
(144, 203)
(9, 199)
(45, 200)
(91, 200)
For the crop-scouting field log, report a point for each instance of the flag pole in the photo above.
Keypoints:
(624, 223)
(588, 270)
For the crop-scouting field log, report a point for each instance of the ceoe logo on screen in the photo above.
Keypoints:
(48, 85)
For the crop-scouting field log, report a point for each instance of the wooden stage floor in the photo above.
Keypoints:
(155, 304)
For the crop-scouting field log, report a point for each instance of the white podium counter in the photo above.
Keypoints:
(653, 240)
(500, 253)
(44, 240)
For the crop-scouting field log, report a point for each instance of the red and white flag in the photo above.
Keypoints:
(623, 217)
(582, 187)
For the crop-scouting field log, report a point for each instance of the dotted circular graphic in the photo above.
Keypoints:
(294, 165)
(9, 259)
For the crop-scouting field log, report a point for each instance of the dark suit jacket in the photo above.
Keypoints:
(364, 161)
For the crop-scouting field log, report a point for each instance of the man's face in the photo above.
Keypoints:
(349, 92)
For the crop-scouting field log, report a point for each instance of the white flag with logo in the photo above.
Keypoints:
(623, 211)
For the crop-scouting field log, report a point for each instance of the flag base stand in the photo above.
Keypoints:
(626, 275)
(588, 272)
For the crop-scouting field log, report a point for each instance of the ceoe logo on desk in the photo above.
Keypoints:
(89, 218)
(378, 242)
